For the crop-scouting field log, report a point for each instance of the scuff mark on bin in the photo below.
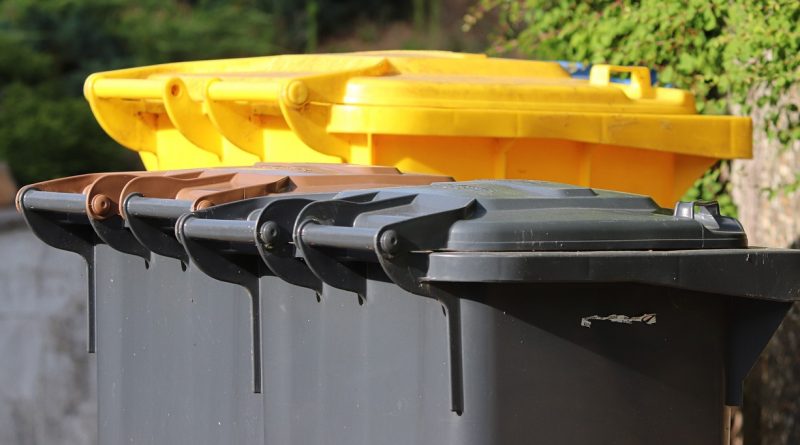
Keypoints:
(586, 322)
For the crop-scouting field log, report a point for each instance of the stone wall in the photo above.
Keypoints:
(772, 391)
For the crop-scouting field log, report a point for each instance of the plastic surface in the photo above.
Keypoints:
(104, 192)
(135, 212)
(507, 365)
(503, 216)
(482, 231)
(456, 313)
(419, 111)
(174, 355)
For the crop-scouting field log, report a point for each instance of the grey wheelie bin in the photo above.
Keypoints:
(497, 312)
(178, 358)
(483, 312)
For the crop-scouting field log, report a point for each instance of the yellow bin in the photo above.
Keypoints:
(464, 115)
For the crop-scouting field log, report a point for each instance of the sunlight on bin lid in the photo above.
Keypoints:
(136, 212)
(103, 193)
(417, 110)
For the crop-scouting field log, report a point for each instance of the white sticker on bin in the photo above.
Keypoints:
(586, 322)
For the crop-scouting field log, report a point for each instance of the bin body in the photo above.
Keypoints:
(337, 372)
(173, 361)
(451, 313)
(175, 347)
(462, 115)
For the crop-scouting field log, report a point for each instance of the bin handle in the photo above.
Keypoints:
(684, 209)
(708, 213)
(250, 91)
(109, 88)
(641, 86)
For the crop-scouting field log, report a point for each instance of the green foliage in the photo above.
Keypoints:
(298, 23)
(719, 49)
(713, 186)
(46, 136)
(159, 31)
(312, 27)
(48, 48)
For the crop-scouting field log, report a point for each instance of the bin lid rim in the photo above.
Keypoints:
(520, 215)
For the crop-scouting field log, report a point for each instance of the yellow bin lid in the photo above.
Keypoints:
(425, 111)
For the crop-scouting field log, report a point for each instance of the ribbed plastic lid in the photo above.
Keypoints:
(505, 216)
(430, 93)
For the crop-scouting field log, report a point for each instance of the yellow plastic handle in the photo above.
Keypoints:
(128, 88)
(243, 91)
(640, 86)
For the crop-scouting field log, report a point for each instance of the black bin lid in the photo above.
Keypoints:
(510, 215)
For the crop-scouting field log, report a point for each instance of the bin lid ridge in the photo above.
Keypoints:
(543, 216)
(233, 111)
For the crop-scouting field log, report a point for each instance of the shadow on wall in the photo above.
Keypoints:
(47, 384)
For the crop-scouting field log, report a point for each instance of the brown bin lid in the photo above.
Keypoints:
(213, 186)
(82, 183)
(57, 210)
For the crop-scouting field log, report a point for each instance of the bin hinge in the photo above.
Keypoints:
(275, 224)
(150, 220)
(105, 218)
(274, 236)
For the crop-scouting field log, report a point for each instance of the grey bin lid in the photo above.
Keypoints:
(506, 216)
(429, 239)
(412, 231)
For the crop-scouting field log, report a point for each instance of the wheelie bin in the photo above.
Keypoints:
(463, 115)
(178, 353)
(477, 312)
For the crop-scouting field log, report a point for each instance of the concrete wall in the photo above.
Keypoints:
(47, 380)
(772, 390)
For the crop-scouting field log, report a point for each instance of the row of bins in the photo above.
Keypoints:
(343, 304)
(462, 115)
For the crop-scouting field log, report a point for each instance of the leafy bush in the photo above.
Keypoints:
(719, 49)
(48, 48)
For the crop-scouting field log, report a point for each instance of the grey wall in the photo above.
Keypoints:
(47, 380)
